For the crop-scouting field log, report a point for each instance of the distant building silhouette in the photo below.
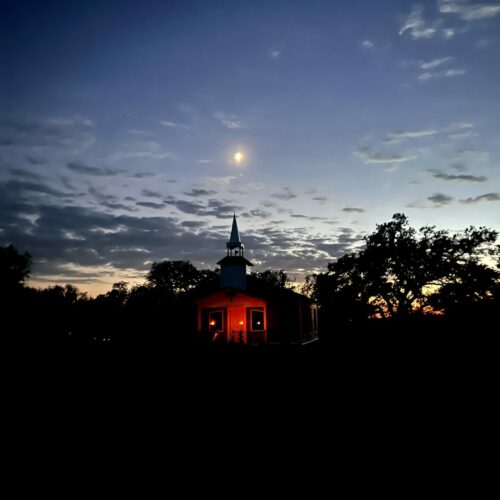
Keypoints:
(236, 313)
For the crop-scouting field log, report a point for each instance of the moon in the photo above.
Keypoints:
(238, 157)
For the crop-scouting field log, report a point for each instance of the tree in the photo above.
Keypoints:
(119, 294)
(272, 279)
(402, 271)
(178, 276)
(14, 268)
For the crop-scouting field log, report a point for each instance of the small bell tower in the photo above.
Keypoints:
(233, 266)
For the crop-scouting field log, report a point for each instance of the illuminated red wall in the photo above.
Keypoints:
(236, 306)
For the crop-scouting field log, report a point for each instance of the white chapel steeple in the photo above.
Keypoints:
(234, 265)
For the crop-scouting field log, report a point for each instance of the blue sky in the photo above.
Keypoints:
(120, 121)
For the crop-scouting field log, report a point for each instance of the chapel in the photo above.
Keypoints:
(242, 313)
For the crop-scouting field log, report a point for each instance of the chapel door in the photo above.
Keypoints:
(216, 325)
(238, 326)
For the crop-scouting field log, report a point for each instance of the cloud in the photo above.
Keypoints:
(78, 244)
(74, 134)
(150, 204)
(117, 206)
(204, 161)
(353, 209)
(174, 125)
(367, 44)
(80, 168)
(435, 62)
(454, 72)
(416, 25)
(229, 121)
(467, 11)
(379, 158)
(320, 199)
(19, 172)
(36, 160)
(287, 195)
(483, 197)
(410, 134)
(23, 189)
(142, 149)
(151, 194)
(139, 132)
(463, 135)
(274, 54)
(200, 192)
(459, 177)
(257, 213)
(220, 209)
(440, 199)
(193, 223)
(142, 175)
(458, 126)
(448, 33)
(459, 167)
(307, 217)
(424, 77)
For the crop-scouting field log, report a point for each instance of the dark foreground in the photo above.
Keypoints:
(378, 353)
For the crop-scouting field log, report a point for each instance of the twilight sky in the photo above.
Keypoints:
(119, 121)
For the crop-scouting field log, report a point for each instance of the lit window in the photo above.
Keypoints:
(257, 320)
(215, 319)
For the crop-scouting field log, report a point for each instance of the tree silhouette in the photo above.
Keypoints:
(402, 271)
(175, 277)
(270, 279)
(14, 268)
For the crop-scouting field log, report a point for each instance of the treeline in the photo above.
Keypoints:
(412, 279)
(160, 311)
(402, 280)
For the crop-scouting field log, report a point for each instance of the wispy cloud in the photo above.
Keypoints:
(410, 134)
(151, 194)
(353, 209)
(458, 126)
(320, 199)
(26, 174)
(195, 193)
(367, 44)
(467, 11)
(286, 195)
(169, 124)
(222, 180)
(274, 54)
(483, 197)
(449, 33)
(257, 213)
(142, 149)
(440, 199)
(151, 204)
(424, 77)
(458, 177)
(80, 168)
(36, 160)
(74, 134)
(416, 25)
(435, 62)
(463, 135)
(229, 121)
(370, 157)
(204, 161)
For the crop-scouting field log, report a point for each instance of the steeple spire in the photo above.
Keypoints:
(234, 242)
(234, 266)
